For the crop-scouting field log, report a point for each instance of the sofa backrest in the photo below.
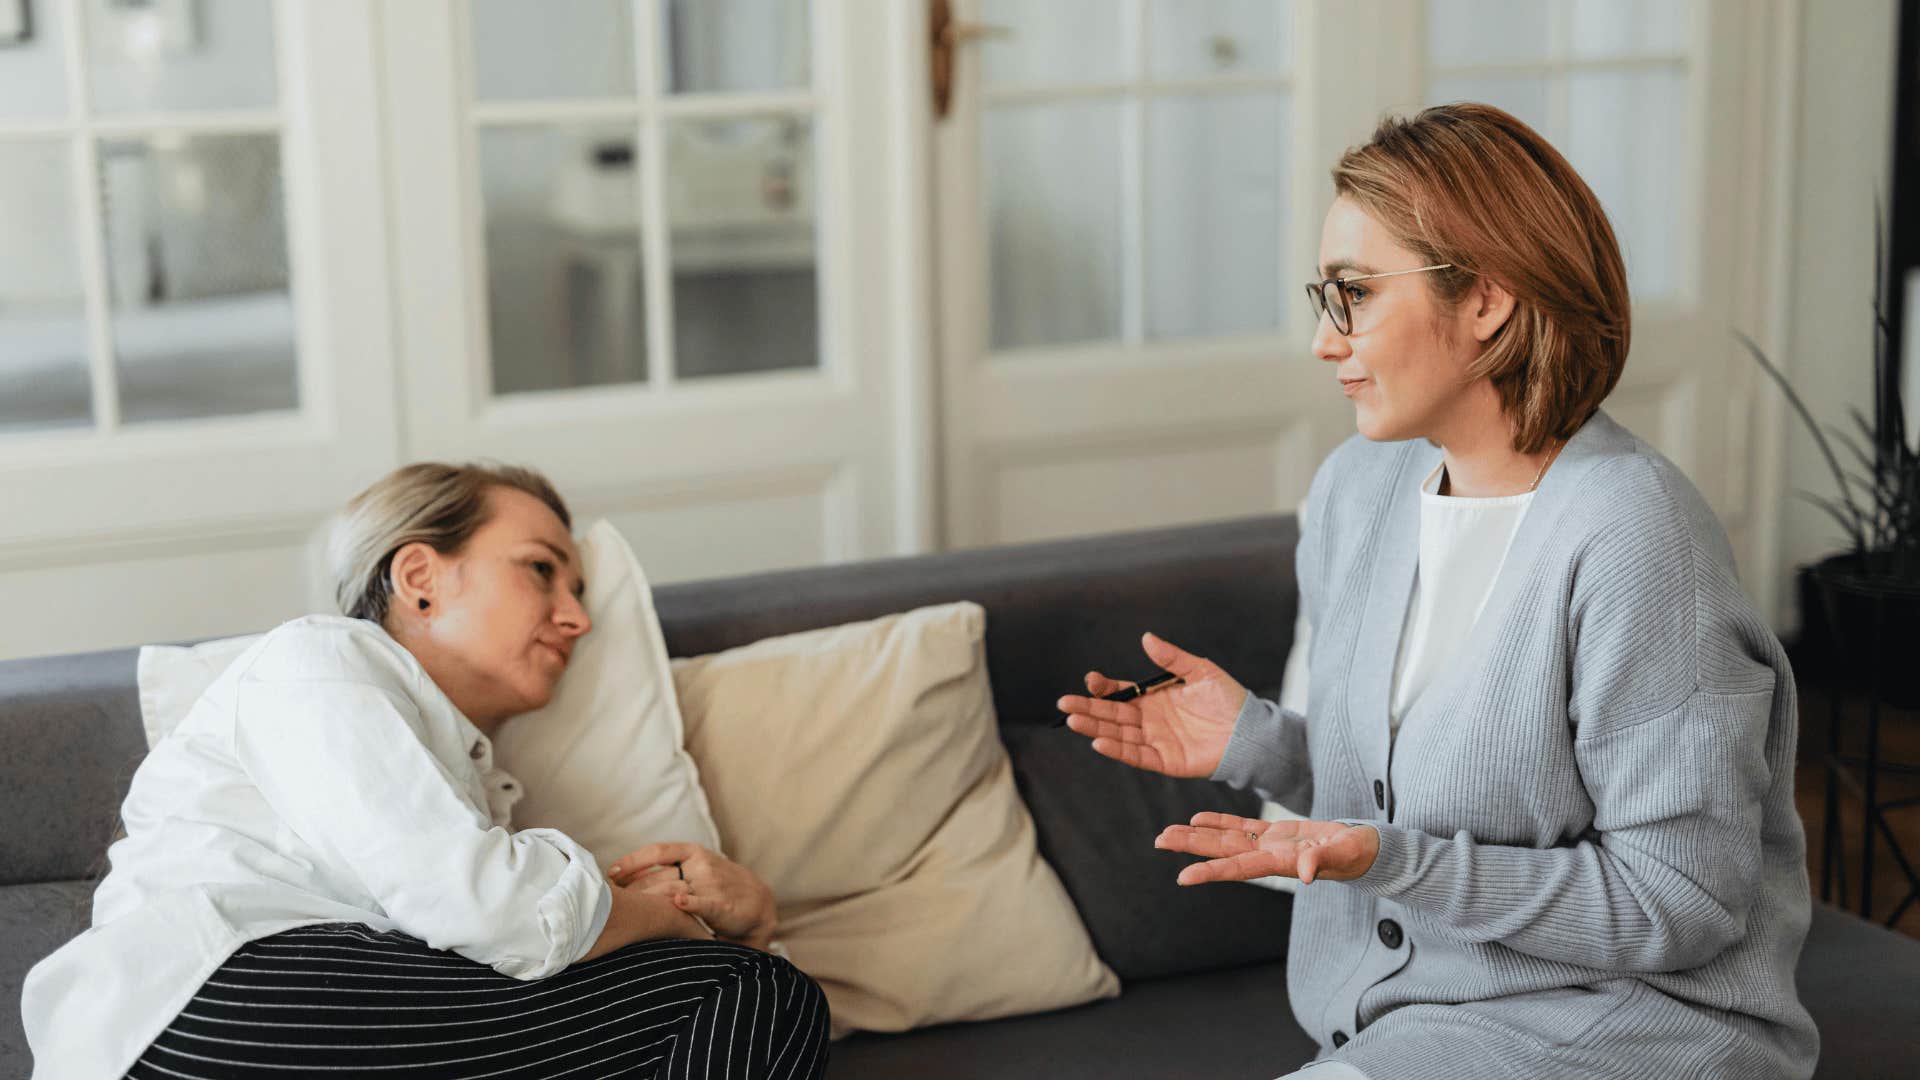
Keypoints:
(70, 734)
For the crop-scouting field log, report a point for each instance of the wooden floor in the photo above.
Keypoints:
(1899, 741)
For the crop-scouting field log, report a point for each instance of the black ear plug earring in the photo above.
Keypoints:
(423, 603)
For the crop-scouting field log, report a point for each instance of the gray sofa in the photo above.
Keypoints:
(1205, 989)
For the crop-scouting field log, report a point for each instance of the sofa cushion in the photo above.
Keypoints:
(1223, 1024)
(1055, 609)
(70, 740)
(1097, 819)
(34, 921)
(1861, 982)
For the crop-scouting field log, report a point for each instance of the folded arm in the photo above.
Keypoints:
(344, 766)
(1662, 882)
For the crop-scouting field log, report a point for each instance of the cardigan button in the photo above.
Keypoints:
(1390, 935)
(1379, 795)
(1339, 1039)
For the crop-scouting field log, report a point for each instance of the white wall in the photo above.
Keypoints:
(1842, 163)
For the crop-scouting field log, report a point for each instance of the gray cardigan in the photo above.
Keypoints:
(1590, 863)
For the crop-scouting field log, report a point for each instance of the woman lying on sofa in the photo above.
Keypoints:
(1548, 744)
(318, 873)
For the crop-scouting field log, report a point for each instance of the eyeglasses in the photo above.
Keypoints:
(1330, 296)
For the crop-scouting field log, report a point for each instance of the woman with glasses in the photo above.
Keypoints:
(1547, 746)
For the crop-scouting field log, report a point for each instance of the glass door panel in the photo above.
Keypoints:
(582, 145)
(43, 303)
(1607, 82)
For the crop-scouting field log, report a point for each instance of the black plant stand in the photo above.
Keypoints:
(1861, 622)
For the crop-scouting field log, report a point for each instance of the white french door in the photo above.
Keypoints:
(643, 245)
(1119, 213)
(194, 358)
(1129, 193)
(719, 271)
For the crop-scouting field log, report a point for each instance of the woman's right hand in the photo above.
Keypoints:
(1180, 731)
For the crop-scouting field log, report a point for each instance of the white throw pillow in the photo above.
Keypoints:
(172, 678)
(604, 762)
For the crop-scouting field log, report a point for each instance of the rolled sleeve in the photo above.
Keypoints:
(574, 911)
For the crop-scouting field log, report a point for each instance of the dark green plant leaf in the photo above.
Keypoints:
(1806, 416)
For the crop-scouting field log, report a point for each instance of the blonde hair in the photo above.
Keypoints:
(429, 503)
(1472, 185)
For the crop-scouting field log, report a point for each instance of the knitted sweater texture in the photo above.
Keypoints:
(1590, 862)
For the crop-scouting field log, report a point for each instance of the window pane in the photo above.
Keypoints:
(158, 55)
(1197, 38)
(1648, 112)
(552, 49)
(1060, 41)
(740, 195)
(1215, 193)
(1489, 31)
(1523, 96)
(565, 302)
(1629, 27)
(738, 45)
(33, 74)
(1054, 222)
(196, 259)
(43, 327)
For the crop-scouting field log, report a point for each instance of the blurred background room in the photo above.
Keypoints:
(773, 283)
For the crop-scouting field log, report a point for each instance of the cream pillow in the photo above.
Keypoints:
(603, 762)
(859, 771)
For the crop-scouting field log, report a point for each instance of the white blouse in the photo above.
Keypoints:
(322, 778)
(1463, 543)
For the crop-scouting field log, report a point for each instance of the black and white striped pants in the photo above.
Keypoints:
(344, 998)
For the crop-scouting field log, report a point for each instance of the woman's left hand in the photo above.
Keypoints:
(729, 897)
(1241, 849)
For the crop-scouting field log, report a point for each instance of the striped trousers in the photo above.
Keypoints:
(344, 998)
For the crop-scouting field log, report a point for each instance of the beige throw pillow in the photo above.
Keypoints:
(858, 769)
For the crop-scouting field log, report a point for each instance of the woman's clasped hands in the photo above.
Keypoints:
(1183, 731)
(705, 884)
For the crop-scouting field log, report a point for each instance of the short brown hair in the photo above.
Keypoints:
(1471, 185)
(429, 502)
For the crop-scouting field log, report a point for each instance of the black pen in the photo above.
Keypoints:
(1167, 678)
(1128, 693)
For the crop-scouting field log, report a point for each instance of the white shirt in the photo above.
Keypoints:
(322, 778)
(1463, 543)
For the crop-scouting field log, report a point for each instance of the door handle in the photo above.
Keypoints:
(949, 33)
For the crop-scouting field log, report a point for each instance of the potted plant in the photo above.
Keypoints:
(1867, 598)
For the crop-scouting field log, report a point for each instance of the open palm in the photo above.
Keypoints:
(1179, 731)
(1241, 849)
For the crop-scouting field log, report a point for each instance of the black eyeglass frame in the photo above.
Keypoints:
(1340, 308)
